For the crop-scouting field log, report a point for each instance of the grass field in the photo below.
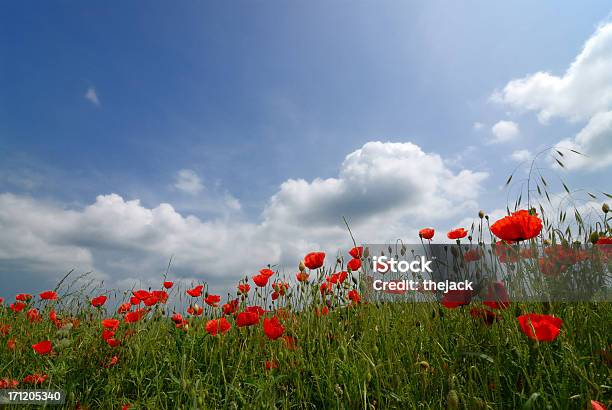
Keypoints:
(320, 342)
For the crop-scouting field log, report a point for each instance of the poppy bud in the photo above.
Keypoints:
(366, 252)
(546, 242)
(339, 390)
(301, 266)
(594, 237)
(481, 214)
(605, 208)
(452, 400)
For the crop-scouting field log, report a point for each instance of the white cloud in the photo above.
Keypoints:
(594, 140)
(188, 181)
(584, 90)
(478, 125)
(582, 93)
(92, 96)
(521, 155)
(386, 191)
(504, 131)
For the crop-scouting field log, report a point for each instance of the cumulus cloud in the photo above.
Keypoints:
(92, 96)
(188, 181)
(385, 190)
(521, 155)
(582, 94)
(478, 125)
(504, 131)
(594, 140)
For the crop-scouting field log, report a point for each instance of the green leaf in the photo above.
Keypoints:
(565, 187)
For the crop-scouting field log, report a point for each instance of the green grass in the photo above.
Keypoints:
(393, 355)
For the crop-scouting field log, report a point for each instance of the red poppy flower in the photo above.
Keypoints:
(456, 298)
(550, 267)
(266, 272)
(8, 383)
(33, 315)
(543, 328)
(124, 308)
(112, 324)
(427, 233)
(134, 301)
(212, 300)
(604, 241)
(472, 255)
(273, 328)
(151, 300)
(353, 295)
(1, 301)
(135, 316)
(168, 284)
(195, 310)
(141, 294)
(247, 319)
(5, 329)
(17, 306)
(519, 226)
(457, 233)
(113, 361)
(326, 287)
(161, 295)
(485, 314)
(53, 315)
(314, 260)
(35, 379)
(271, 364)
(356, 252)
(528, 253)
(260, 280)
(217, 325)
(10, 344)
(324, 311)
(42, 348)
(98, 301)
(108, 334)
(230, 307)
(177, 318)
(497, 296)
(280, 287)
(113, 342)
(256, 309)
(23, 297)
(244, 288)
(48, 295)
(354, 264)
(595, 405)
(302, 276)
(195, 292)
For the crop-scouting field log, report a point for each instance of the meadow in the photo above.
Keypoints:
(322, 339)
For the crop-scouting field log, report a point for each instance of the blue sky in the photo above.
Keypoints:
(212, 108)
